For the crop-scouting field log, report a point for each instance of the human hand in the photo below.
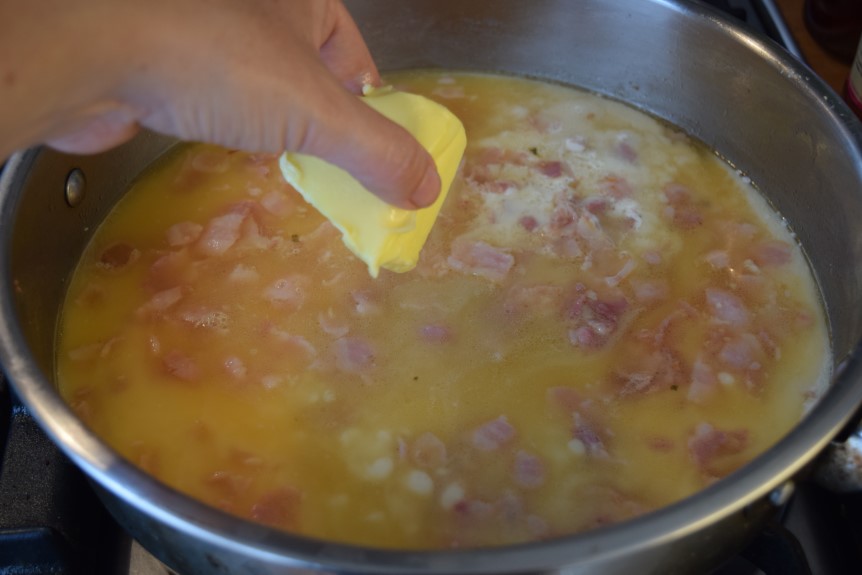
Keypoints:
(258, 76)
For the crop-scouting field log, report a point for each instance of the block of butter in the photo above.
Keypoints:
(382, 235)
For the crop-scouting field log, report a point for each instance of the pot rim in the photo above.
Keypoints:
(731, 494)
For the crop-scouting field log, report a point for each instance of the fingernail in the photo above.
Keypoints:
(427, 191)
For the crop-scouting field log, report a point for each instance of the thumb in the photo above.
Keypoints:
(384, 157)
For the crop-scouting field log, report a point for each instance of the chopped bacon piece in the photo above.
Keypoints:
(353, 355)
(719, 259)
(331, 325)
(742, 352)
(181, 366)
(595, 318)
(587, 337)
(243, 274)
(220, 234)
(297, 343)
(726, 307)
(277, 203)
(250, 236)
(480, 259)
(117, 256)
(529, 223)
(707, 444)
(703, 382)
(681, 209)
(432, 333)
(616, 187)
(428, 451)
(647, 369)
(160, 302)
(625, 151)
(170, 270)
(585, 432)
(529, 471)
(493, 434)
(650, 291)
(290, 291)
(771, 253)
(554, 169)
(278, 508)
(364, 302)
(183, 233)
(206, 318)
(235, 367)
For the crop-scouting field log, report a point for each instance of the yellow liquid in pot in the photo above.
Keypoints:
(605, 319)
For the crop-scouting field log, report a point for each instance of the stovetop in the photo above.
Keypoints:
(51, 521)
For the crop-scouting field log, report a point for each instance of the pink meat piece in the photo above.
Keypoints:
(703, 382)
(118, 256)
(493, 434)
(353, 355)
(181, 366)
(332, 326)
(160, 302)
(288, 291)
(554, 169)
(650, 291)
(742, 352)
(771, 253)
(587, 433)
(726, 307)
(529, 470)
(235, 367)
(183, 233)
(708, 443)
(616, 187)
(480, 259)
(220, 234)
(170, 270)
(277, 203)
(529, 223)
(432, 333)
(428, 451)
(681, 209)
(625, 151)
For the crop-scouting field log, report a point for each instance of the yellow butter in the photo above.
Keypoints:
(379, 234)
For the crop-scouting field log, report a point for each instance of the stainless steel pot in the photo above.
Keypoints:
(747, 99)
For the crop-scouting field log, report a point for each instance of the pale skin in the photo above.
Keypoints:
(255, 75)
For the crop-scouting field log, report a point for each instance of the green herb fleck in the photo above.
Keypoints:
(535, 151)
(294, 238)
(674, 387)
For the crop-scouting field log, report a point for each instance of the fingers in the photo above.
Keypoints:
(384, 157)
(96, 132)
(346, 55)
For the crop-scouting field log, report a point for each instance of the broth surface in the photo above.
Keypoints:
(605, 319)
